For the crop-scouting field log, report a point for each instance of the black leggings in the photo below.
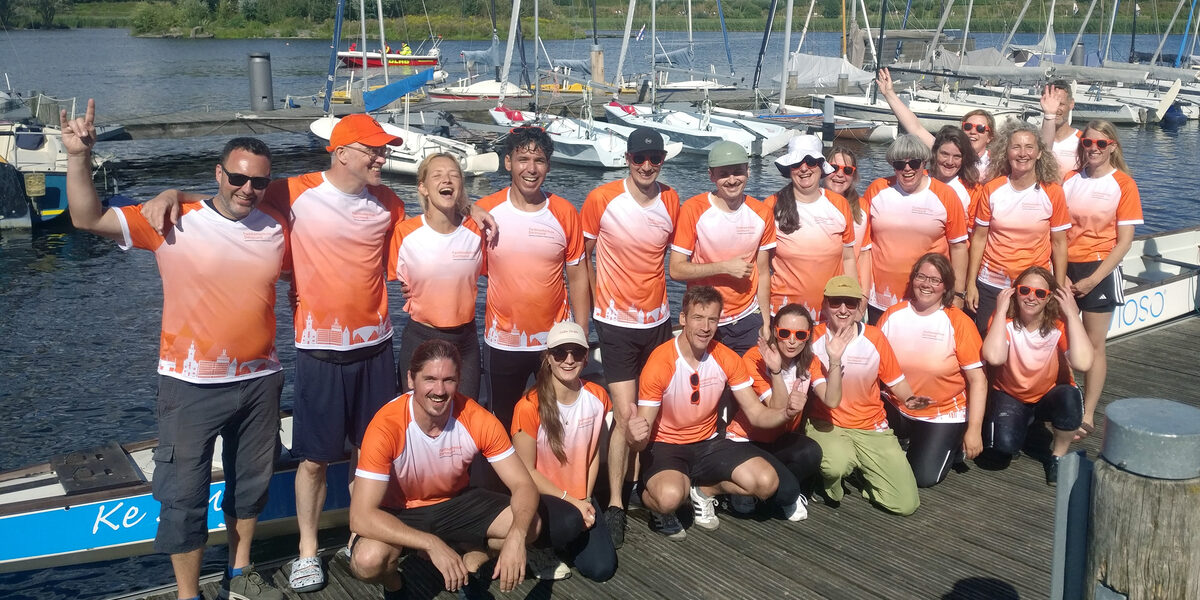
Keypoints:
(931, 446)
(463, 337)
(508, 373)
(590, 550)
(1007, 419)
(795, 458)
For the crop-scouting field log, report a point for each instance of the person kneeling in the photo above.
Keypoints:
(680, 387)
(557, 430)
(411, 488)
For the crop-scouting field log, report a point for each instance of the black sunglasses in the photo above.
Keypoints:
(810, 162)
(912, 163)
(695, 381)
(237, 180)
(783, 334)
(655, 158)
(559, 353)
(978, 128)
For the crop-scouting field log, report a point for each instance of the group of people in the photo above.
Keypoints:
(825, 341)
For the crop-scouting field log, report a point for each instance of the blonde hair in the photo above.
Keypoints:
(1117, 158)
(460, 204)
(1046, 167)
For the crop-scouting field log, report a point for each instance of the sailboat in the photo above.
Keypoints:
(488, 89)
(417, 145)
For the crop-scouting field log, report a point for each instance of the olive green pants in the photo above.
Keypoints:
(889, 478)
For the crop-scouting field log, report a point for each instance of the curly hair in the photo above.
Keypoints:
(1052, 312)
(1046, 167)
(528, 136)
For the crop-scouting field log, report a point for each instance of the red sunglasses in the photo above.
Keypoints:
(847, 169)
(1026, 290)
(783, 334)
(978, 128)
(1100, 143)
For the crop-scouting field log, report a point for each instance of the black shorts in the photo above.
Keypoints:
(705, 463)
(626, 350)
(337, 393)
(463, 519)
(1106, 296)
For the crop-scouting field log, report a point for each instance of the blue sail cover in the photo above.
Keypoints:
(492, 57)
(374, 100)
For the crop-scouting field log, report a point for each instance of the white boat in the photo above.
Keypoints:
(1161, 273)
(580, 142)
(1085, 110)
(810, 121)
(1142, 98)
(698, 133)
(405, 159)
(97, 505)
(933, 115)
(488, 89)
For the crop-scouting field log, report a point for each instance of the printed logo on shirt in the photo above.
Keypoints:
(586, 423)
(450, 452)
(258, 236)
(855, 360)
(657, 223)
(462, 255)
(922, 210)
(542, 232)
(746, 230)
(1031, 205)
(364, 215)
(933, 336)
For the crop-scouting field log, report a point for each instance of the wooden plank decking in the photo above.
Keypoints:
(978, 535)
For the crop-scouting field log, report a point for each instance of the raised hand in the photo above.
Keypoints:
(838, 342)
(1003, 299)
(884, 83)
(639, 430)
(771, 356)
(1050, 102)
(1066, 299)
(79, 134)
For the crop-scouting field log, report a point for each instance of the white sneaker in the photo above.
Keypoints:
(667, 525)
(798, 510)
(704, 508)
(742, 505)
(545, 564)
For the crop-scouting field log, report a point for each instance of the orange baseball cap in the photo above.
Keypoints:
(362, 129)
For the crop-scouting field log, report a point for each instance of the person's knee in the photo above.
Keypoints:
(312, 469)
(598, 570)
(763, 481)
(835, 466)
(668, 495)
(928, 477)
(370, 561)
(905, 504)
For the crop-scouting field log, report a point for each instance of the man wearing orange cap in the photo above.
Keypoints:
(341, 224)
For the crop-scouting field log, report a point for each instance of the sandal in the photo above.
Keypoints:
(307, 575)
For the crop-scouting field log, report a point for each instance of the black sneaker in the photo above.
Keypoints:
(400, 594)
(1051, 466)
(477, 587)
(614, 518)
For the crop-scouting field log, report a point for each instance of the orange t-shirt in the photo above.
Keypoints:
(1036, 362)
(1019, 225)
(218, 278)
(422, 470)
(1098, 206)
(631, 243)
(441, 269)
(794, 379)
(339, 247)
(805, 259)
(582, 421)
(666, 382)
(526, 293)
(708, 235)
(867, 360)
(933, 351)
(903, 227)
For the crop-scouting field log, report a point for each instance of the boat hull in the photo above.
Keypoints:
(1163, 275)
(355, 59)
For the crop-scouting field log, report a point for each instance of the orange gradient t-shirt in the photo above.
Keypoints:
(1035, 364)
(441, 269)
(933, 351)
(805, 259)
(1098, 205)
(795, 379)
(867, 361)
(1019, 223)
(666, 383)
(582, 420)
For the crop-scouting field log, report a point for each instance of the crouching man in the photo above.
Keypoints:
(411, 489)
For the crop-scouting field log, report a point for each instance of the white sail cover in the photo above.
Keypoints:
(811, 70)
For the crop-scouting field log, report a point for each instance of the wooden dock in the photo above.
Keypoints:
(978, 535)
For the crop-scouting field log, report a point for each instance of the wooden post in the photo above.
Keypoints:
(1145, 534)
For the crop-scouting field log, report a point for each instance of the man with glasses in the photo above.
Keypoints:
(909, 215)
(627, 226)
(723, 240)
(218, 370)
(675, 429)
(525, 293)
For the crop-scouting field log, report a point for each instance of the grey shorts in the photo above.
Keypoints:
(190, 417)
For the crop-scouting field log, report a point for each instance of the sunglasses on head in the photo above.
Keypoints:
(839, 302)
(912, 163)
(1026, 290)
(559, 353)
(237, 180)
(655, 158)
(526, 128)
(847, 169)
(783, 334)
(810, 162)
(695, 381)
(1100, 143)
(977, 127)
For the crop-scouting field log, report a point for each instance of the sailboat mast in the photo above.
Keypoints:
(879, 52)
(537, 60)
(928, 60)
(1163, 41)
(962, 51)
(1112, 22)
(513, 21)
(625, 45)
(725, 35)
(654, 51)
(904, 25)
(382, 40)
(1082, 28)
(1186, 28)
(784, 73)
(1008, 40)
(333, 52)
(762, 49)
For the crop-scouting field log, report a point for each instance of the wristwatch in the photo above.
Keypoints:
(962, 295)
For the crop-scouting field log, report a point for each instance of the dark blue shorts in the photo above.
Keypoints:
(337, 394)
(741, 335)
(190, 417)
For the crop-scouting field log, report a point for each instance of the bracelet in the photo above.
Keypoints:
(1049, 117)
(776, 372)
(962, 295)
(833, 364)
(564, 496)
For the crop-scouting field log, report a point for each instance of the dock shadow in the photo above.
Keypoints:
(981, 588)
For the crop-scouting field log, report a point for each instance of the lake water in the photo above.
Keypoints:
(79, 319)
